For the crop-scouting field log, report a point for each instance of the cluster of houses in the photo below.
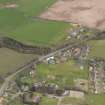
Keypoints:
(76, 32)
(47, 88)
(80, 51)
(51, 91)
(97, 77)
(79, 32)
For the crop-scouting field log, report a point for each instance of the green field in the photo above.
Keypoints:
(10, 60)
(97, 49)
(62, 74)
(21, 23)
(72, 101)
(96, 99)
(48, 101)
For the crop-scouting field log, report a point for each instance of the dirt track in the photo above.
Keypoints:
(8, 6)
(89, 13)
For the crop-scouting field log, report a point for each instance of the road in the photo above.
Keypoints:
(27, 65)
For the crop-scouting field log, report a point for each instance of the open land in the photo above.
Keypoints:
(10, 60)
(89, 13)
(97, 49)
(21, 23)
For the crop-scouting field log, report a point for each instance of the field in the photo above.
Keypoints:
(72, 101)
(10, 60)
(89, 13)
(96, 99)
(62, 74)
(48, 101)
(22, 23)
(97, 49)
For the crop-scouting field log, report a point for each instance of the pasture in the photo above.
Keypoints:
(72, 101)
(97, 49)
(96, 99)
(62, 74)
(22, 23)
(11, 60)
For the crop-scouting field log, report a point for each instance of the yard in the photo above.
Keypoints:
(97, 49)
(49, 101)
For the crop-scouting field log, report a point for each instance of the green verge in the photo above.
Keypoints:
(17, 23)
(73, 101)
(34, 7)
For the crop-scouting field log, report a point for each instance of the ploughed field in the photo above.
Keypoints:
(89, 13)
(19, 20)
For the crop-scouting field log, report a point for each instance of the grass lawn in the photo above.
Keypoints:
(10, 60)
(97, 49)
(96, 99)
(62, 74)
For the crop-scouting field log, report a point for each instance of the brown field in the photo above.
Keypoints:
(89, 13)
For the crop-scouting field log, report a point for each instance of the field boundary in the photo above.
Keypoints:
(23, 48)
